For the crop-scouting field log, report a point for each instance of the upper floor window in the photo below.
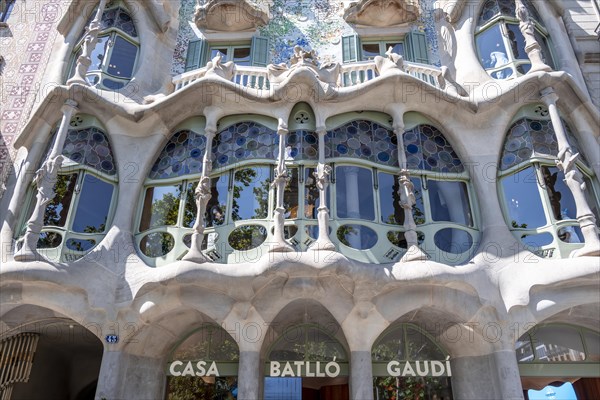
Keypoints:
(539, 207)
(201, 51)
(6, 7)
(500, 43)
(413, 46)
(115, 54)
(78, 216)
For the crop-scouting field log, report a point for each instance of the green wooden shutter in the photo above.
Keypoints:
(350, 48)
(260, 51)
(415, 44)
(195, 54)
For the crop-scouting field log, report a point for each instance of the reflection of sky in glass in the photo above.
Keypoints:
(283, 388)
(94, 202)
(354, 192)
(251, 192)
(489, 42)
(523, 199)
(97, 55)
(564, 392)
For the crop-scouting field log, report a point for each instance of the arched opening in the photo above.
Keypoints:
(204, 365)
(64, 363)
(305, 355)
(409, 364)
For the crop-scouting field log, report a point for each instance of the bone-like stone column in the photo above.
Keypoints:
(281, 178)
(322, 180)
(45, 180)
(202, 195)
(407, 201)
(532, 47)
(573, 179)
(89, 42)
(249, 375)
(361, 376)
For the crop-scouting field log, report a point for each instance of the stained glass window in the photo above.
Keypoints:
(244, 141)
(427, 149)
(182, 155)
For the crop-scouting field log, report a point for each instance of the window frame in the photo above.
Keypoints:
(6, 7)
(381, 42)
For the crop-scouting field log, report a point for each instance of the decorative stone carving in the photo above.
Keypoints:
(231, 15)
(89, 42)
(532, 47)
(381, 12)
(279, 182)
(392, 62)
(45, 179)
(451, 10)
(574, 180)
(224, 70)
(307, 61)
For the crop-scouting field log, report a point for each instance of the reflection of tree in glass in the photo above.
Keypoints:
(244, 177)
(165, 210)
(195, 388)
(344, 232)
(514, 224)
(190, 210)
(247, 237)
(58, 208)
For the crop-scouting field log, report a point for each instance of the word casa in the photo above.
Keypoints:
(419, 368)
(199, 369)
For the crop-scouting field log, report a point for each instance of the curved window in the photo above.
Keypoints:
(539, 207)
(500, 43)
(367, 213)
(77, 218)
(114, 55)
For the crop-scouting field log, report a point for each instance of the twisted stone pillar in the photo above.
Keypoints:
(281, 178)
(532, 47)
(407, 201)
(89, 43)
(202, 194)
(322, 180)
(45, 179)
(573, 178)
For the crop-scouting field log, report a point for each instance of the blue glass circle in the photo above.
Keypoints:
(412, 148)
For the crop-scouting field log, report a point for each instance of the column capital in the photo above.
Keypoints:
(548, 96)
(282, 128)
(70, 106)
(321, 130)
(398, 127)
(210, 131)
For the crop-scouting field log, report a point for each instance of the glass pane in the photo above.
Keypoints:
(182, 155)
(546, 53)
(241, 55)
(247, 237)
(561, 198)
(251, 193)
(98, 54)
(398, 238)
(522, 200)
(517, 42)
(591, 198)
(370, 50)
(122, 58)
(389, 200)
(190, 210)
(216, 209)
(455, 241)
(592, 342)
(207, 387)
(290, 195)
(449, 202)
(390, 347)
(571, 234)
(524, 349)
(93, 205)
(558, 344)
(311, 194)
(210, 343)
(80, 244)
(215, 50)
(58, 208)
(537, 241)
(125, 23)
(49, 240)
(427, 388)
(354, 193)
(357, 236)
(306, 342)
(112, 84)
(420, 347)
(161, 206)
(157, 244)
(397, 48)
(503, 73)
(491, 48)
(283, 388)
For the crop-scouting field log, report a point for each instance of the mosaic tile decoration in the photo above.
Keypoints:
(90, 147)
(244, 141)
(182, 155)
(427, 149)
(25, 58)
(303, 145)
(118, 18)
(313, 24)
(528, 138)
(365, 140)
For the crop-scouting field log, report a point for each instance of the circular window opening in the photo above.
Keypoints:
(451, 240)
(358, 237)
(247, 237)
(157, 244)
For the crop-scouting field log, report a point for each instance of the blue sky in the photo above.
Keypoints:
(565, 392)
